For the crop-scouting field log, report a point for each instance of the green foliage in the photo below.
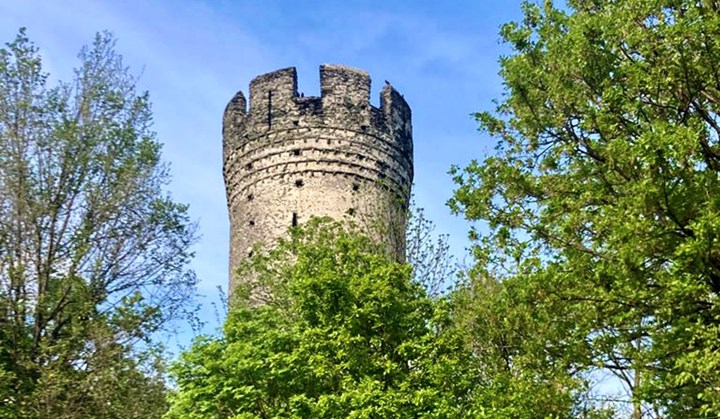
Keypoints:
(330, 327)
(342, 331)
(604, 195)
(93, 254)
(507, 333)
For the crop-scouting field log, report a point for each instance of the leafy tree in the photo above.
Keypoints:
(336, 328)
(93, 253)
(518, 375)
(604, 192)
(341, 331)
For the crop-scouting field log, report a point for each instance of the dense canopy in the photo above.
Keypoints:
(604, 192)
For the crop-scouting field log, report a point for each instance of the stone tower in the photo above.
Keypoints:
(289, 157)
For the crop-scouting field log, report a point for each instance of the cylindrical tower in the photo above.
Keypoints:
(290, 157)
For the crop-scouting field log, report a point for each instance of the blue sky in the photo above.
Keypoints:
(193, 55)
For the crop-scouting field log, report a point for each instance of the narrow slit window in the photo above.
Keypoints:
(294, 219)
(269, 109)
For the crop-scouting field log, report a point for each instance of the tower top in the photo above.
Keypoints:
(344, 102)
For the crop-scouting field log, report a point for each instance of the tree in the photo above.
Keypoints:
(604, 190)
(433, 265)
(515, 344)
(93, 252)
(342, 331)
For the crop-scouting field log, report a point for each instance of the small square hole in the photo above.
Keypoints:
(251, 197)
(299, 183)
(296, 152)
(355, 186)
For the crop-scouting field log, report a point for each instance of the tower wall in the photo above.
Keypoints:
(287, 158)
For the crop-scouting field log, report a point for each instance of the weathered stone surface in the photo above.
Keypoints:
(287, 157)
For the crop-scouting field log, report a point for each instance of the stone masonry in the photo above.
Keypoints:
(290, 157)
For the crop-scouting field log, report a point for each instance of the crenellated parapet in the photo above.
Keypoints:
(288, 157)
(344, 103)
